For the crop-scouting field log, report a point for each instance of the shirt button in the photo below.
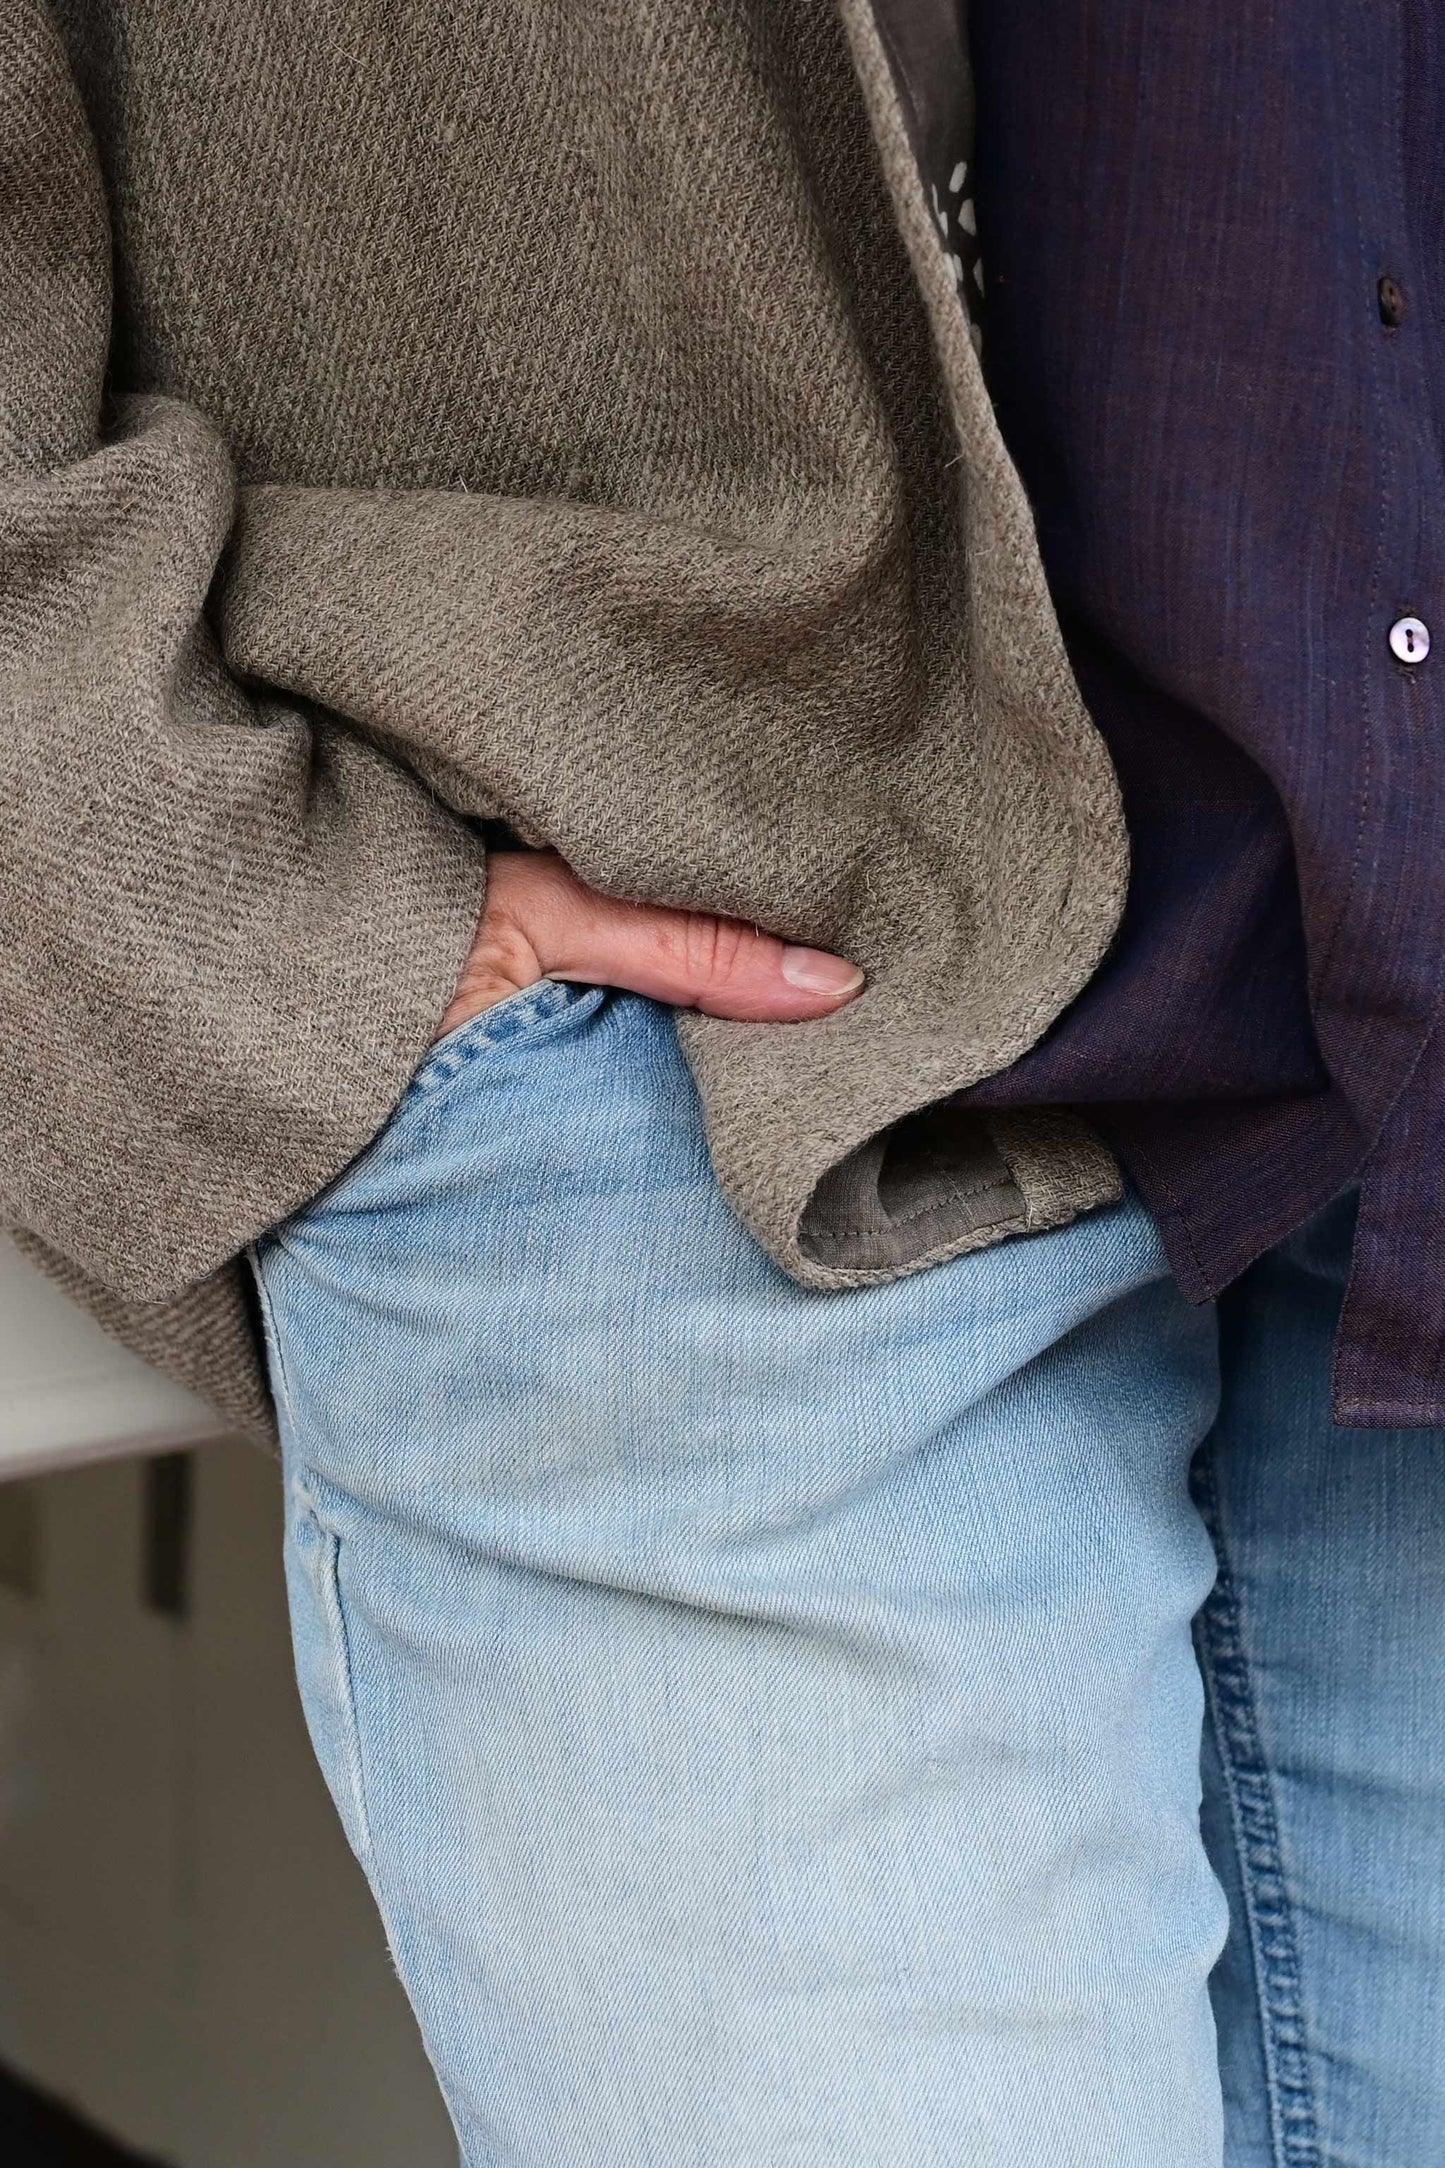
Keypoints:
(1409, 639)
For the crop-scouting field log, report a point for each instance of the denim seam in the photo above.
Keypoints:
(369, 1853)
(1294, 2126)
(280, 1382)
(339, 1630)
(546, 1010)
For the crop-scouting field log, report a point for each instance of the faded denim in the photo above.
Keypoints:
(768, 1718)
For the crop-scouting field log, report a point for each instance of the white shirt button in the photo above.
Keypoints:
(1409, 639)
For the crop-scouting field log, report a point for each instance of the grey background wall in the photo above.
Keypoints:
(187, 1950)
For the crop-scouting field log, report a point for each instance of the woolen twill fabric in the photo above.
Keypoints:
(561, 416)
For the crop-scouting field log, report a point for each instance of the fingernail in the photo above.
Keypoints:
(813, 971)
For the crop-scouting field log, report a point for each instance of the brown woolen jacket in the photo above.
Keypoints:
(411, 416)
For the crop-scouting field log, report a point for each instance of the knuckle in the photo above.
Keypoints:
(503, 950)
(713, 950)
(511, 955)
(502, 944)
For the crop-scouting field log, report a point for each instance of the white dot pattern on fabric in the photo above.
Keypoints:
(957, 224)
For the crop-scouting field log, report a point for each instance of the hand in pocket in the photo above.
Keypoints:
(540, 921)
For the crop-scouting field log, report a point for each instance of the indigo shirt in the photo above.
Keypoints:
(1214, 251)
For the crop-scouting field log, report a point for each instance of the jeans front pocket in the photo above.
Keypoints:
(549, 1009)
(494, 1122)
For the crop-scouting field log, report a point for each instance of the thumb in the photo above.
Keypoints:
(689, 958)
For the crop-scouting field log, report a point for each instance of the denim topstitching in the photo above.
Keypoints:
(1219, 1639)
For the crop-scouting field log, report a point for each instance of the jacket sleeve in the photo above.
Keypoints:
(228, 924)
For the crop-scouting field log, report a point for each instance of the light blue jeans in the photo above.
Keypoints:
(770, 1721)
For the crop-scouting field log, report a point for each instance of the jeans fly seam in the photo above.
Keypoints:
(1256, 1830)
